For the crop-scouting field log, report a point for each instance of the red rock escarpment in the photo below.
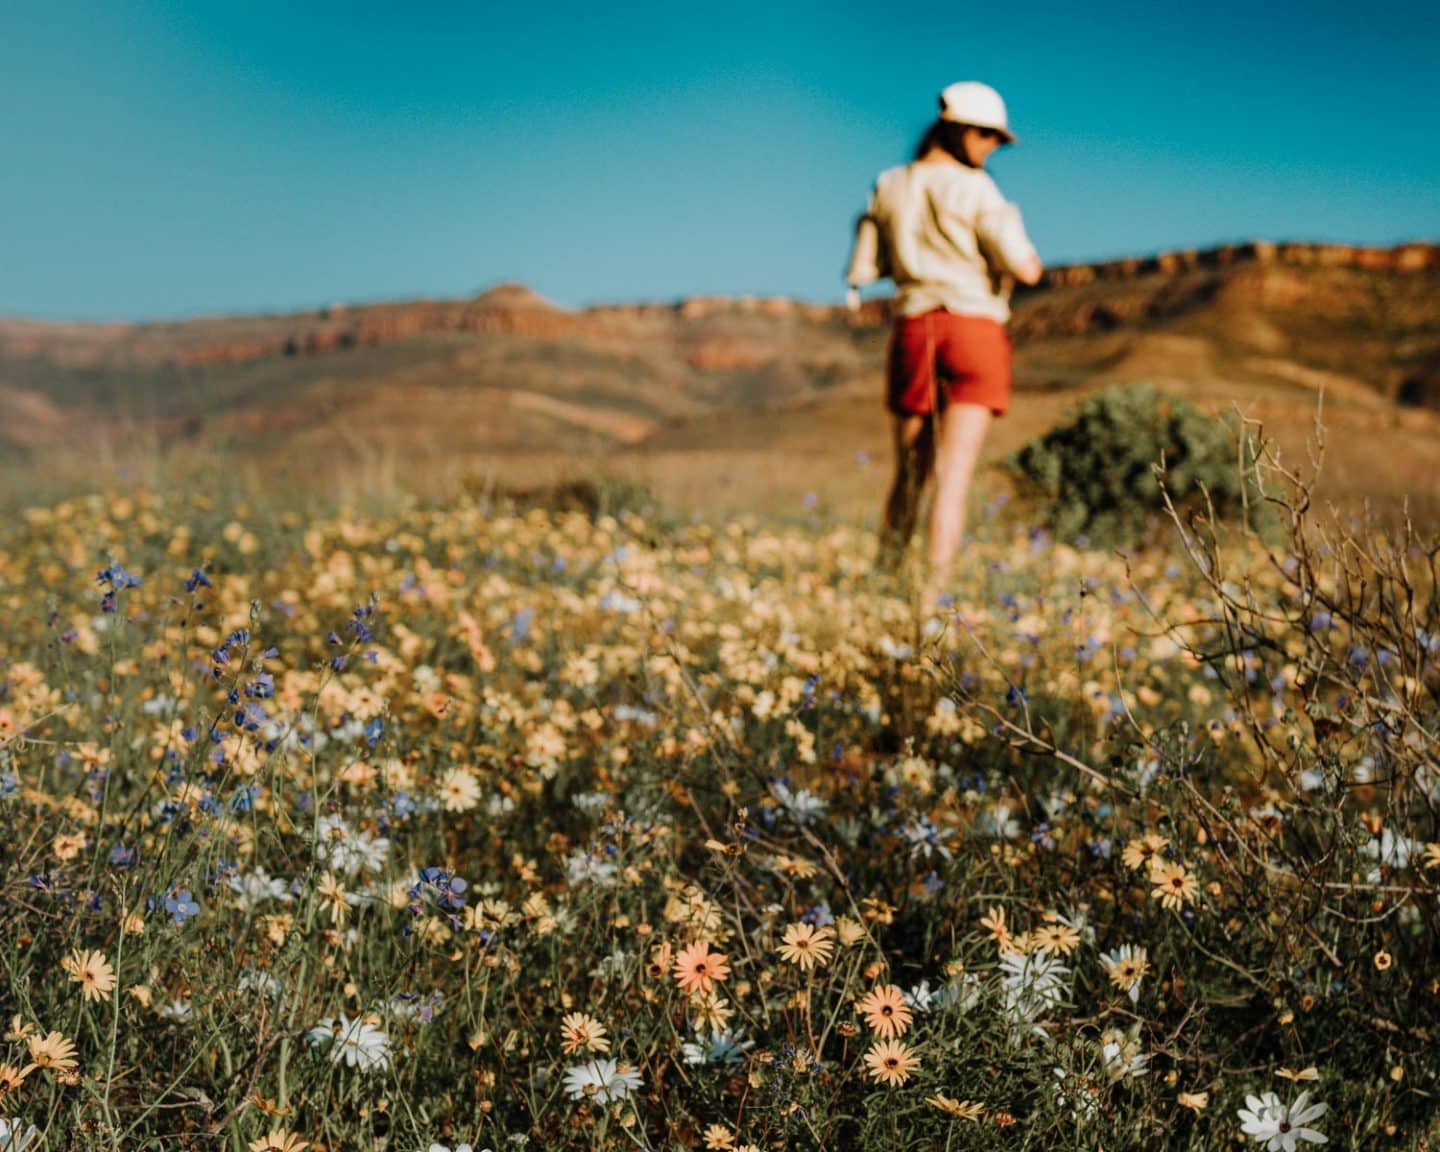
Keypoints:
(514, 309)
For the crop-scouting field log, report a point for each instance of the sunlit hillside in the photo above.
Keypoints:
(720, 405)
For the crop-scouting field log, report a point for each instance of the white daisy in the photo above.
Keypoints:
(999, 822)
(1122, 1055)
(1390, 850)
(347, 851)
(585, 866)
(1032, 984)
(16, 1135)
(601, 1080)
(254, 888)
(723, 1047)
(360, 1043)
(1075, 1093)
(253, 980)
(802, 806)
(1279, 1125)
(922, 998)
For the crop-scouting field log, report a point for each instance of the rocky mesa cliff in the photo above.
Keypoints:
(1051, 308)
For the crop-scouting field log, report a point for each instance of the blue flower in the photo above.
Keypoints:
(182, 906)
(117, 578)
(808, 698)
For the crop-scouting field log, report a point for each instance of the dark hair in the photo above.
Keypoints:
(946, 134)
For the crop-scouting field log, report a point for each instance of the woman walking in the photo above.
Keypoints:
(940, 229)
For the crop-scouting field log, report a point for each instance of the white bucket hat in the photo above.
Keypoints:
(971, 102)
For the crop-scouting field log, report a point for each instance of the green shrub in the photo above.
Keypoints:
(1095, 476)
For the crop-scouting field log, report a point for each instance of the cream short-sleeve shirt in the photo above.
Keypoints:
(947, 238)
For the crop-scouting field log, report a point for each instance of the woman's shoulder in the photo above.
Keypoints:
(973, 187)
(957, 186)
(892, 175)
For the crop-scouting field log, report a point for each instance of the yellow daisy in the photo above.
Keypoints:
(279, 1140)
(1143, 852)
(807, 946)
(92, 972)
(1173, 884)
(579, 1030)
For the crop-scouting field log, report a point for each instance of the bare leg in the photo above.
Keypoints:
(914, 443)
(962, 435)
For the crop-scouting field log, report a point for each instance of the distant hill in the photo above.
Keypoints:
(507, 378)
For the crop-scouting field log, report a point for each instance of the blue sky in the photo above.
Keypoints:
(171, 159)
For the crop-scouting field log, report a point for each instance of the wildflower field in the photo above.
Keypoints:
(547, 830)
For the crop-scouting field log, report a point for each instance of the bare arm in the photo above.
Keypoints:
(866, 260)
(1029, 270)
(1001, 233)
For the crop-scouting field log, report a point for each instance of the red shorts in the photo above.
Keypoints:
(960, 359)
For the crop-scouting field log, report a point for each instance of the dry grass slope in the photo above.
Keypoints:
(727, 404)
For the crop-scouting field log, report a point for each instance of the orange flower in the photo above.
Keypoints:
(11, 1078)
(885, 1011)
(994, 922)
(891, 1062)
(698, 970)
(660, 960)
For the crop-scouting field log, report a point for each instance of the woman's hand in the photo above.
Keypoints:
(1029, 270)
